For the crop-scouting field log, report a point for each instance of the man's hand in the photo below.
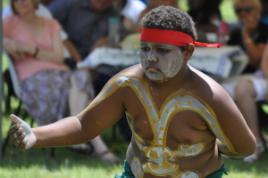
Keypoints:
(21, 133)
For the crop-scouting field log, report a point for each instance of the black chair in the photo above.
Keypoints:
(263, 119)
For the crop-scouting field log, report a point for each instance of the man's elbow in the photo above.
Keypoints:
(248, 148)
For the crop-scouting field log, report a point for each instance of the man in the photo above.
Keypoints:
(251, 35)
(85, 21)
(249, 90)
(180, 118)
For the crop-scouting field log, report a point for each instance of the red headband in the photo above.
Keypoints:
(172, 37)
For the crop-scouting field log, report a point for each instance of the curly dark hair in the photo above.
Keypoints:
(169, 18)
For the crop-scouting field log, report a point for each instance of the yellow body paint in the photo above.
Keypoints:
(158, 153)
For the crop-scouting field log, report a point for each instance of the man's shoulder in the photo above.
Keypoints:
(67, 2)
(131, 73)
(207, 88)
(134, 71)
(59, 4)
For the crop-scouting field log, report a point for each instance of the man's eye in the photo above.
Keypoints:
(163, 50)
(145, 49)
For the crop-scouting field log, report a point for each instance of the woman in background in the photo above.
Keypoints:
(36, 48)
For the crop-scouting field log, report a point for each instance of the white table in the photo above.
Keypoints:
(220, 63)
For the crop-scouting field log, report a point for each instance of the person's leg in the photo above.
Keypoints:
(78, 100)
(246, 101)
(102, 151)
(245, 97)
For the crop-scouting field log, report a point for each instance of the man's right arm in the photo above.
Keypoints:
(104, 111)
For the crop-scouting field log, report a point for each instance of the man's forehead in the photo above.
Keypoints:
(151, 44)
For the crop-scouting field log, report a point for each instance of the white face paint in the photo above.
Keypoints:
(160, 62)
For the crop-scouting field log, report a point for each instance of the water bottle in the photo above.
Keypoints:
(113, 31)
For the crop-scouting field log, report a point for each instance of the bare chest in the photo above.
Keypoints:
(179, 119)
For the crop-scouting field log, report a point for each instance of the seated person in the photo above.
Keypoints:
(130, 12)
(251, 36)
(250, 87)
(248, 91)
(42, 10)
(35, 45)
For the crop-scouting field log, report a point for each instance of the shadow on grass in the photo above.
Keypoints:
(64, 158)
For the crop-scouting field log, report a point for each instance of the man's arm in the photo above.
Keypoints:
(72, 50)
(264, 61)
(239, 140)
(105, 110)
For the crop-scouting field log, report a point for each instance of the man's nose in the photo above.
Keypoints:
(152, 56)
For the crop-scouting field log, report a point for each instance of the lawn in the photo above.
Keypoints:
(36, 163)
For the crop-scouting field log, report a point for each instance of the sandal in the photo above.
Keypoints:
(85, 148)
(260, 148)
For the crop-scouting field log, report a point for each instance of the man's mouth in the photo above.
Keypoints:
(152, 69)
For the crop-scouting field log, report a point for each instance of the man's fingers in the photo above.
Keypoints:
(15, 140)
(21, 135)
(22, 145)
(13, 129)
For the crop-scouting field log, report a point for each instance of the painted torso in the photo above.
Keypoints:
(159, 135)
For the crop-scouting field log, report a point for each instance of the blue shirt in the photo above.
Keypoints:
(83, 25)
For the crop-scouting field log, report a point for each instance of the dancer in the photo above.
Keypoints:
(181, 119)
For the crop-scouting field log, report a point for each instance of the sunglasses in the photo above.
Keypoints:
(239, 10)
(19, 1)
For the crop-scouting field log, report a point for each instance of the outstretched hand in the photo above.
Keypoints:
(21, 133)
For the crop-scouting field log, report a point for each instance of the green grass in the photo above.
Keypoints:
(36, 163)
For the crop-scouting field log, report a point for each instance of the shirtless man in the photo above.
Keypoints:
(181, 119)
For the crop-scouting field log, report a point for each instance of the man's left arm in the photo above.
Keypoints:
(239, 140)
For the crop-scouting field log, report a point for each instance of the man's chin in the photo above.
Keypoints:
(155, 77)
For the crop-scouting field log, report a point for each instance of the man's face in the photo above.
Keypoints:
(101, 5)
(160, 61)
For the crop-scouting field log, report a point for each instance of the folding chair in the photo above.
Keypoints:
(14, 89)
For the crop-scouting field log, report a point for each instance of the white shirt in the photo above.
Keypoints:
(133, 9)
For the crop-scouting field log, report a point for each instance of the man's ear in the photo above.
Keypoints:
(188, 52)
